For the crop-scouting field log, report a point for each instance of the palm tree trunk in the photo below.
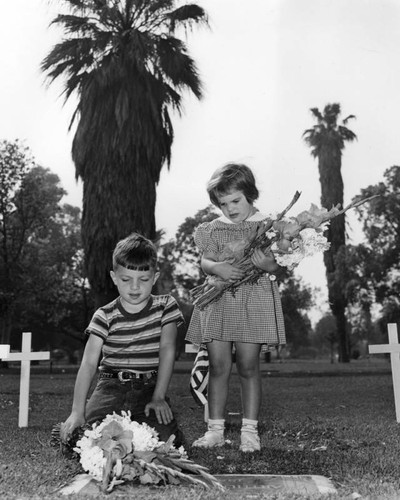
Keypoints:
(338, 304)
(107, 218)
(329, 166)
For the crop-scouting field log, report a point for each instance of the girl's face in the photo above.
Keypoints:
(235, 206)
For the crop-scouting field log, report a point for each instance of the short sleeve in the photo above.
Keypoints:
(171, 313)
(98, 325)
(203, 238)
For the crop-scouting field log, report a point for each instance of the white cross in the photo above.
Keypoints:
(25, 356)
(394, 349)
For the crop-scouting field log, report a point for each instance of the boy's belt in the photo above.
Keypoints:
(125, 375)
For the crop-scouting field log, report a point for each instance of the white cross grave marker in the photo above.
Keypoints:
(394, 349)
(25, 356)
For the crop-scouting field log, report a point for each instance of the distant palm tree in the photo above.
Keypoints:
(327, 140)
(123, 61)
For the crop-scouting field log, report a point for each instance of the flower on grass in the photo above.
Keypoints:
(118, 450)
(115, 439)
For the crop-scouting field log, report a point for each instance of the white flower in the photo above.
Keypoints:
(92, 461)
(92, 458)
(308, 243)
(290, 260)
(144, 437)
(313, 242)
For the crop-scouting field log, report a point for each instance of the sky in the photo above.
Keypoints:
(264, 64)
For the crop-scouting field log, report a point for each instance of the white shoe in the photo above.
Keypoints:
(211, 439)
(249, 442)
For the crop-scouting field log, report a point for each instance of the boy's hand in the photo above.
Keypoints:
(161, 409)
(263, 261)
(228, 272)
(67, 427)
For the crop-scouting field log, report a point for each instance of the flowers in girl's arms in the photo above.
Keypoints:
(120, 450)
(290, 239)
(307, 242)
(301, 236)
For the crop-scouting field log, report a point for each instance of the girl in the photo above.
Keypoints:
(249, 318)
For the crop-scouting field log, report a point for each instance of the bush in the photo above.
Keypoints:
(304, 353)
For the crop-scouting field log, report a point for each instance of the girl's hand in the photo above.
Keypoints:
(161, 409)
(228, 272)
(263, 261)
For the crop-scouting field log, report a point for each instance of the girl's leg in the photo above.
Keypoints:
(248, 366)
(220, 365)
(220, 359)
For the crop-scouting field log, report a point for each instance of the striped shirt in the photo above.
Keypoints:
(132, 341)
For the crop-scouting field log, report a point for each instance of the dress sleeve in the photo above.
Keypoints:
(203, 239)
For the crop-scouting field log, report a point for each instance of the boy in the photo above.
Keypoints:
(136, 335)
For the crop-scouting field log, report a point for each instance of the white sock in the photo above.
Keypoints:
(249, 425)
(217, 425)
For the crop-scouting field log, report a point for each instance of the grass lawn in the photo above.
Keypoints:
(339, 425)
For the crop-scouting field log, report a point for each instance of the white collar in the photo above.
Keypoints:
(256, 217)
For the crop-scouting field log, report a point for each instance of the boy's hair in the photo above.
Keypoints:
(230, 177)
(135, 252)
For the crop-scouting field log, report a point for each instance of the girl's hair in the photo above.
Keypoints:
(231, 177)
(135, 252)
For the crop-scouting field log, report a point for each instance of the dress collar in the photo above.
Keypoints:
(256, 217)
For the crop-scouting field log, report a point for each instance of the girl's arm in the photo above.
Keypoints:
(161, 408)
(83, 381)
(223, 269)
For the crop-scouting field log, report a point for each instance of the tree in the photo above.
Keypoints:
(379, 256)
(24, 206)
(325, 334)
(129, 71)
(54, 298)
(296, 301)
(327, 140)
(39, 246)
(180, 258)
(15, 161)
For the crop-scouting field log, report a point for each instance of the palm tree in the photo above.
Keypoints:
(327, 140)
(129, 71)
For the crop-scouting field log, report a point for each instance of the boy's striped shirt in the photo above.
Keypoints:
(132, 341)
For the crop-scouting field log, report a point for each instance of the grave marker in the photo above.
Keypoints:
(4, 350)
(393, 348)
(25, 356)
(238, 486)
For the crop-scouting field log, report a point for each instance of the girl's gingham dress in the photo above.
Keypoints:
(254, 312)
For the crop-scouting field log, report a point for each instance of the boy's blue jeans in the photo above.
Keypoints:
(113, 395)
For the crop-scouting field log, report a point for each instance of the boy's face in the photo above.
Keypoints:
(235, 206)
(134, 287)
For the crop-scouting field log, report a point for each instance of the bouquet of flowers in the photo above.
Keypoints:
(291, 239)
(120, 450)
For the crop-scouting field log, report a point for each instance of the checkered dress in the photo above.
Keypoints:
(254, 313)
